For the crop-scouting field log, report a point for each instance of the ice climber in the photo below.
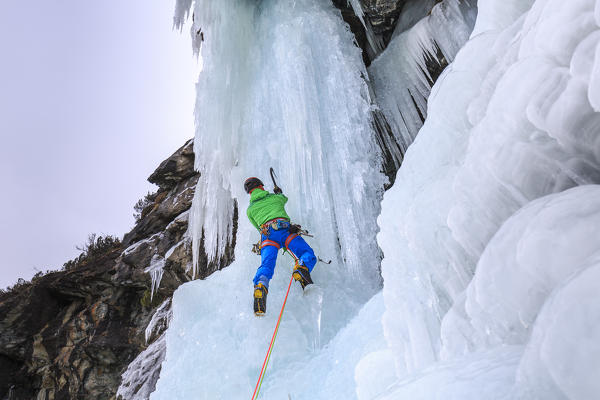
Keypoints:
(267, 213)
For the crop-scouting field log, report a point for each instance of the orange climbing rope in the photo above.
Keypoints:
(268, 356)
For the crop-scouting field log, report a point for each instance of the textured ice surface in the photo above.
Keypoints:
(536, 250)
(282, 86)
(374, 373)
(329, 372)
(375, 41)
(510, 121)
(495, 15)
(520, 286)
(562, 359)
(140, 377)
(400, 76)
(491, 252)
(159, 321)
(485, 375)
(281, 89)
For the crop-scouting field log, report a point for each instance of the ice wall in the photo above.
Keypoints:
(512, 120)
(282, 86)
(489, 235)
(289, 96)
(401, 76)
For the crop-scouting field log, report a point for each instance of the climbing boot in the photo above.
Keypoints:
(260, 299)
(302, 275)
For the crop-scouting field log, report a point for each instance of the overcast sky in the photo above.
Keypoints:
(93, 96)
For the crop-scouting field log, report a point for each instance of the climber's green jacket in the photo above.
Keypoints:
(265, 206)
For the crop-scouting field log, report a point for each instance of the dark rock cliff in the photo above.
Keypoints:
(71, 334)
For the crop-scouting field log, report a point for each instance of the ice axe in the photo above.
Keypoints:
(276, 189)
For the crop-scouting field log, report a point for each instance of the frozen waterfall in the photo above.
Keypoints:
(492, 256)
(282, 86)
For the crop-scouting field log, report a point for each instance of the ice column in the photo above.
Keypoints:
(283, 86)
(222, 97)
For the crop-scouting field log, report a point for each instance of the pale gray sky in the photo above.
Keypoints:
(93, 96)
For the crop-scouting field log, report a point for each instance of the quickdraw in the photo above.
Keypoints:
(256, 248)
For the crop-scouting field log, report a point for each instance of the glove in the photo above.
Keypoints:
(277, 190)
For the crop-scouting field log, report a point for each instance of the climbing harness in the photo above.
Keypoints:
(276, 224)
(268, 242)
(295, 231)
(268, 356)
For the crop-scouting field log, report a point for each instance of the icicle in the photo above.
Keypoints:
(227, 34)
(375, 41)
(160, 320)
(155, 269)
(139, 380)
(182, 11)
(400, 76)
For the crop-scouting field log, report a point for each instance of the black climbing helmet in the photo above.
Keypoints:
(252, 183)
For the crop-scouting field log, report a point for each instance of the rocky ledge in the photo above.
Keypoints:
(71, 334)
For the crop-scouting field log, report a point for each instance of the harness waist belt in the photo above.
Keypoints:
(272, 221)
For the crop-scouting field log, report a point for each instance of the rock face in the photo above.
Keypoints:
(176, 180)
(382, 15)
(71, 334)
(380, 18)
(175, 169)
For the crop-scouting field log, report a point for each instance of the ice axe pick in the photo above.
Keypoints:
(276, 188)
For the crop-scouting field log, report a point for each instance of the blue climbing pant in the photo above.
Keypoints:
(275, 240)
